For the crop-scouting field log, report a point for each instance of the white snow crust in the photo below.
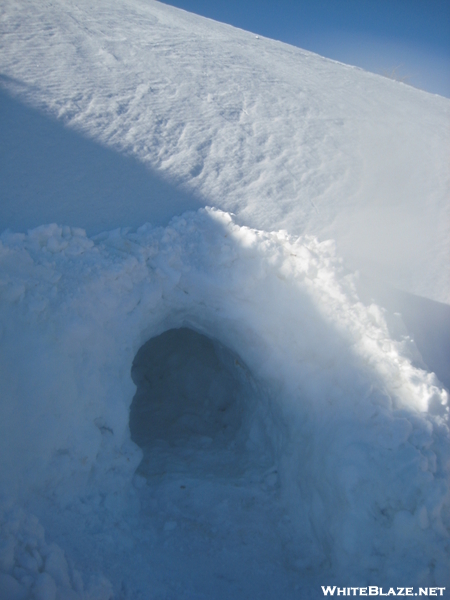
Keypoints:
(199, 396)
(283, 138)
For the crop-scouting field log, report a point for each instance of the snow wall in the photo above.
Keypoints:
(359, 433)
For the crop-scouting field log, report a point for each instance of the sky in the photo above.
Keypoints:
(405, 39)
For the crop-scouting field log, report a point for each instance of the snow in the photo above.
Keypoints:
(182, 112)
(327, 420)
(201, 395)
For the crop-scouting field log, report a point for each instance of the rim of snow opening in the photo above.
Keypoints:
(198, 409)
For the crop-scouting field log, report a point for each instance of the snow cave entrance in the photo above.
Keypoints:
(197, 409)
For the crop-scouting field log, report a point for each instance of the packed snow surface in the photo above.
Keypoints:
(205, 402)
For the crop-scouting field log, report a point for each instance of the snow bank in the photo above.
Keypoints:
(359, 433)
(141, 116)
(197, 113)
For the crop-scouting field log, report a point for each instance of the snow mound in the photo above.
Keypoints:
(356, 432)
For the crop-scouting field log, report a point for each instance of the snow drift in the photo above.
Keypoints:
(283, 138)
(203, 407)
(342, 411)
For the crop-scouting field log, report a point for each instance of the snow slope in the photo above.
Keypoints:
(281, 137)
(203, 407)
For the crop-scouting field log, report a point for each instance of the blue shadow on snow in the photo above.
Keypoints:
(51, 174)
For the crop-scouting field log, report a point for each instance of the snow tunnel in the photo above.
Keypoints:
(197, 408)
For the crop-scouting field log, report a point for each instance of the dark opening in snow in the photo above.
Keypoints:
(211, 499)
(195, 408)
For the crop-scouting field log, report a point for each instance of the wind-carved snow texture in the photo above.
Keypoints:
(336, 446)
(181, 112)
